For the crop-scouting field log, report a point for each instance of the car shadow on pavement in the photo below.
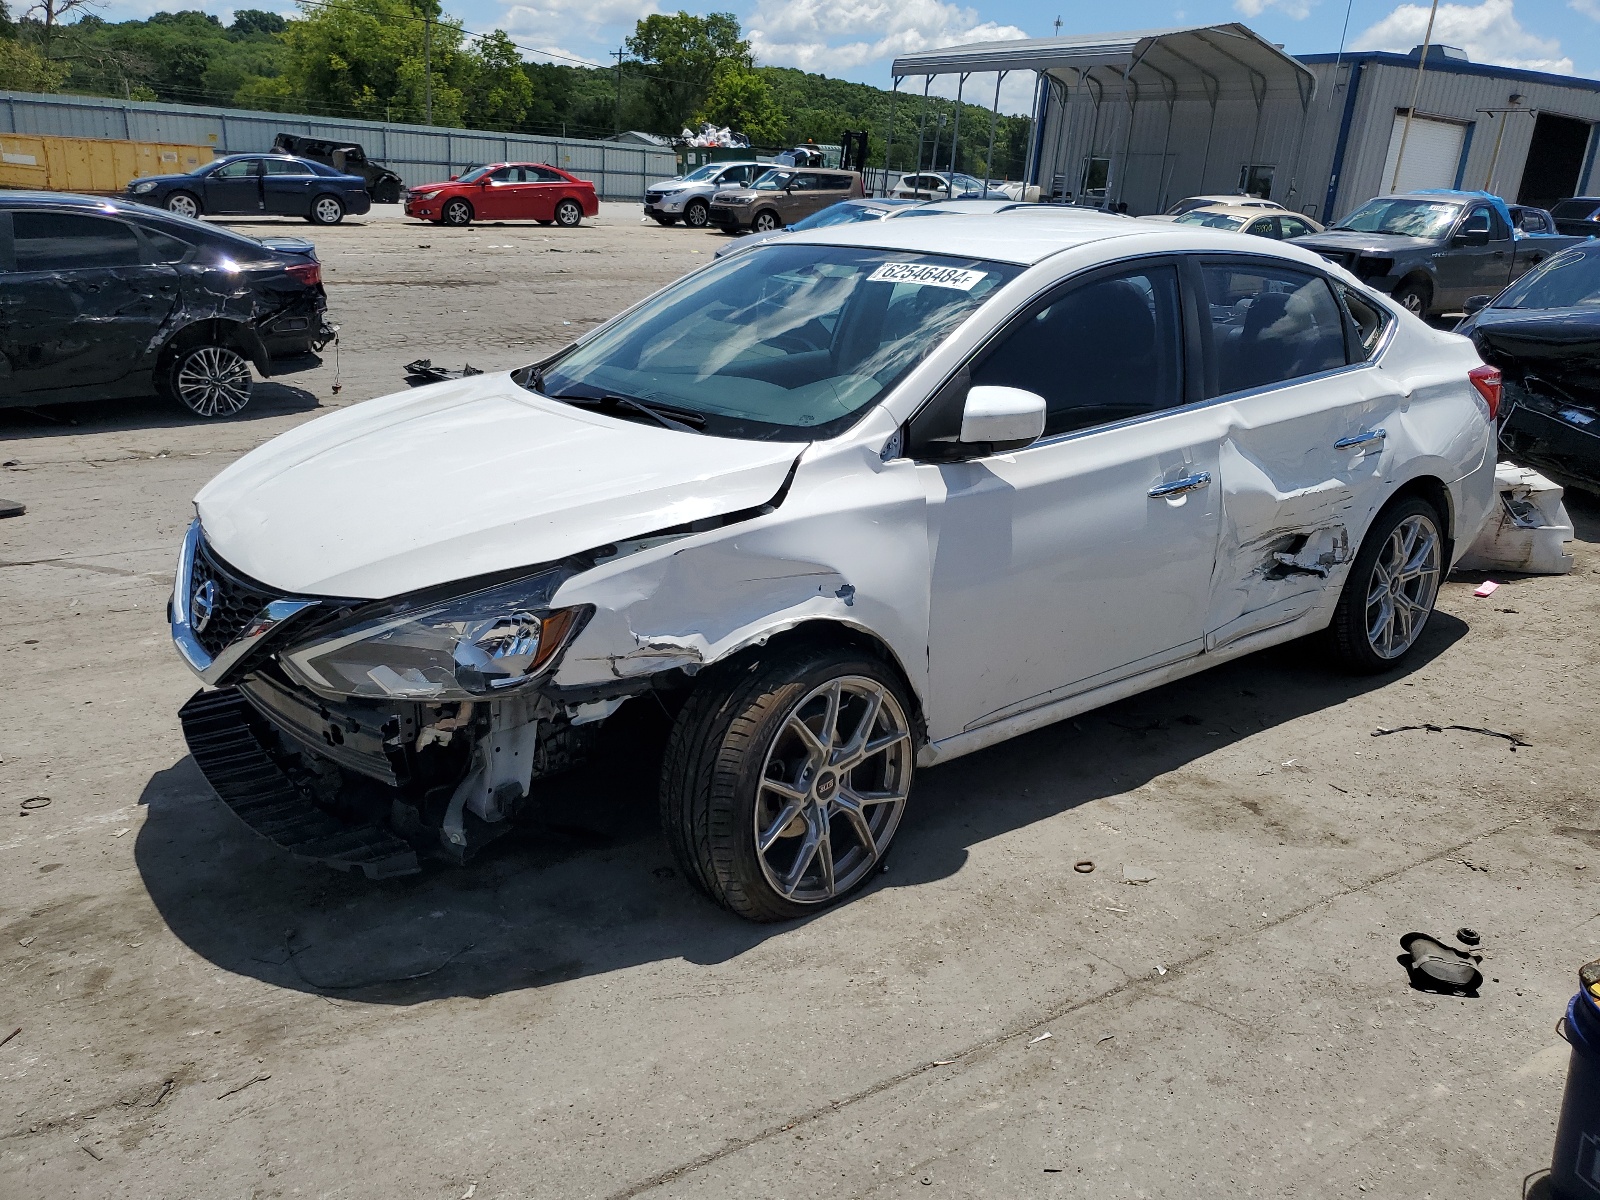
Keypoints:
(268, 399)
(591, 888)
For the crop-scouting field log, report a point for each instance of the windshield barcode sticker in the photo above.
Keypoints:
(927, 276)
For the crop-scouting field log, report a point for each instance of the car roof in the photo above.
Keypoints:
(1240, 210)
(1233, 199)
(1002, 237)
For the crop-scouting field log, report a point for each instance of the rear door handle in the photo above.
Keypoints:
(1360, 439)
(1189, 483)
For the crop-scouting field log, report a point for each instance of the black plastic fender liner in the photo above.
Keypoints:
(222, 739)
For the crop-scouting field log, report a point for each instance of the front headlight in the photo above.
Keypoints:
(735, 199)
(425, 195)
(143, 186)
(464, 648)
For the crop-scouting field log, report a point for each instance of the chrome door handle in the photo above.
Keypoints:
(1361, 439)
(1189, 483)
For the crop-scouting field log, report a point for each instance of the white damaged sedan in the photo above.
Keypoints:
(853, 503)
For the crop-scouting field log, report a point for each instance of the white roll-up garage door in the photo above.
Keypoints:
(1433, 154)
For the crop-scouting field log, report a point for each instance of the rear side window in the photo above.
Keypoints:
(1099, 352)
(541, 175)
(836, 183)
(1368, 320)
(62, 241)
(1270, 325)
(1575, 210)
(284, 166)
(164, 248)
(1294, 227)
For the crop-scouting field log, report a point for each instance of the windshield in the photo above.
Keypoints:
(782, 342)
(1189, 205)
(474, 175)
(1413, 218)
(1575, 210)
(1567, 280)
(1211, 220)
(847, 213)
(773, 181)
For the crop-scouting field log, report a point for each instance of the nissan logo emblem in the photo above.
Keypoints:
(203, 606)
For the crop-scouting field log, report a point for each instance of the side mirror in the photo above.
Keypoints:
(1002, 418)
(1476, 304)
(453, 178)
(1472, 237)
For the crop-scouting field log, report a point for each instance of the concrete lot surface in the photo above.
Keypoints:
(202, 1017)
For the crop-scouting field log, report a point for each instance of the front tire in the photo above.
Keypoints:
(184, 205)
(326, 210)
(1415, 296)
(457, 212)
(568, 214)
(1391, 590)
(696, 214)
(765, 221)
(210, 381)
(783, 785)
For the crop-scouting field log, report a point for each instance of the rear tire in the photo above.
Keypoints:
(1391, 589)
(696, 214)
(784, 783)
(326, 210)
(210, 381)
(568, 214)
(387, 192)
(1415, 296)
(457, 212)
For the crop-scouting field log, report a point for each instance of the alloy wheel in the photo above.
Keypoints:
(764, 223)
(184, 205)
(568, 214)
(1412, 302)
(696, 215)
(1404, 585)
(213, 381)
(327, 210)
(833, 788)
(457, 212)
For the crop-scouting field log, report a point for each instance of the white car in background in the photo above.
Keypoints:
(851, 504)
(687, 198)
(1190, 203)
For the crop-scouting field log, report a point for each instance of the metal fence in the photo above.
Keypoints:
(417, 153)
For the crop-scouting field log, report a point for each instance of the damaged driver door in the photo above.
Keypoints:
(1086, 557)
(1303, 452)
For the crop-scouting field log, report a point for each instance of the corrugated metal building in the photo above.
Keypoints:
(1149, 117)
(417, 153)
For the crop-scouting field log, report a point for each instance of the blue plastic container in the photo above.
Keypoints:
(1575, 1166)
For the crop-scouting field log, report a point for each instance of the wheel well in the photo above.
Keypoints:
(1417, 277)
(774, 213)
(1432, 490)
(214, 331)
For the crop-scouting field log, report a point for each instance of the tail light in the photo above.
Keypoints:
(1487, 381)
(310, 274)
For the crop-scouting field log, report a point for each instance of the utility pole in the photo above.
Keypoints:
(1416, 89)
(616, 113)
(427, 61)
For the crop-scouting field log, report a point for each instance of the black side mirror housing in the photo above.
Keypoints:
(1476, 304)
(1472, 237)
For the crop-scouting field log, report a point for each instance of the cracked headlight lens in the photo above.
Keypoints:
(463, 648)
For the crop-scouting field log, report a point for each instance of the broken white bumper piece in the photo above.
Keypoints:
(1527, 531)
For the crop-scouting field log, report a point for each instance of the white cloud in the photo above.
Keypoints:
(1297, 10)
(837, 36)
(1489, 32)
(552, 23)
(1588, 8)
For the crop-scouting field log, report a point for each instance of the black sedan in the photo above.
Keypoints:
(257, 184)
(102, 300)
(1543, 332)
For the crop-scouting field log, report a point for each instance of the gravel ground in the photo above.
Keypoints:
(200, 1016)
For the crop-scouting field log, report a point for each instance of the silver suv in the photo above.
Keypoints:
(689, 196)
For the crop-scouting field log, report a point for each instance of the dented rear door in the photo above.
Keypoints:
(1302, 456)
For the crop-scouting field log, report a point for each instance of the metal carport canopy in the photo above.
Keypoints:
(1194, 62)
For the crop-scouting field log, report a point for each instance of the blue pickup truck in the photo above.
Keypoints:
(1433, 249)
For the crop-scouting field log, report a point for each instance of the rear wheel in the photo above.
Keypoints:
(387, 192)
(568, 213)
(326, 210)
(696, 214)
(183, 204)
(1415, 296)
(783, 785)
(457, 212)
(210, 381)
(1391, 590)
(766, 221)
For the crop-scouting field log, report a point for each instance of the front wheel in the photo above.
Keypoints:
(1415, 296)
(183, 204)
(765, 222)
(783, 786)
(1391, 590)
(326, 210)
(457, 212)
(568, 214)
(210, 381)
(696, 214)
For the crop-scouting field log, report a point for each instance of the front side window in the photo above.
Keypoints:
(782, 343)
(1270, 325)
(1100, 351)
(1411, 218)
(1570, 279)
(774, 181)
(62, 241)
(242, 168)
(807, 183)
(1209, 219)
(1265, 227)
(473, 175)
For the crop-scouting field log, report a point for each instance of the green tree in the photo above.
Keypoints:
(741, 100)
(498, 92)
(679, 54)
(24, 69)
(254, 20)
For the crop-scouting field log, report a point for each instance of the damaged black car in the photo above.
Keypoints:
(102, 300)
(1543, 332)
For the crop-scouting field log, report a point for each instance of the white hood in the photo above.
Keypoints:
(461, 479)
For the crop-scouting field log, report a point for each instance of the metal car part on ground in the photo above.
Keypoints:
(100, 299)
(858, 501)
(259, 185)
(687, 198)
(1543, 333)
(506, 192)
(1432, 249)
(348, 158)
(782, 196)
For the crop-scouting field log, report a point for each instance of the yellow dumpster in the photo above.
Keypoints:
(67, 164)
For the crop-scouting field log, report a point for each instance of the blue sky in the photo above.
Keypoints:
(856, 39)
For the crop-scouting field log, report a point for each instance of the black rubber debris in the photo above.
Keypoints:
(12, 508)
(1435, 967)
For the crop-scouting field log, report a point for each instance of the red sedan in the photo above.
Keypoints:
(506, 192)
